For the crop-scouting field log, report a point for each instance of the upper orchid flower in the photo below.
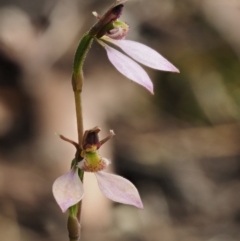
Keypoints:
(68, 188)
(113, 33)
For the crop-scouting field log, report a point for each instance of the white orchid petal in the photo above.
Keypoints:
(118, 189)
(129, 68)
(144, 55)
(68, 190)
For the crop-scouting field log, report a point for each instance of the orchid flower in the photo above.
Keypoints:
(68, 188)
(114, 36)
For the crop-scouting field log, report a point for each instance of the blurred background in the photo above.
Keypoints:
(180, 147)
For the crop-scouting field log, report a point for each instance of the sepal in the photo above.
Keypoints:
(68, 190)
(128, 67)
(118, 189)
(144, 54)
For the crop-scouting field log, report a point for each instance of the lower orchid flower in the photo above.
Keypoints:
(68, 188)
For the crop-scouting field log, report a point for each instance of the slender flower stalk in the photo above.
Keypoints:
(68, 189)
(74, 219)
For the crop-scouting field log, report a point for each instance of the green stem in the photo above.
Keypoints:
(74, 219)
(77, 81)
(78, 105)
(80, 55)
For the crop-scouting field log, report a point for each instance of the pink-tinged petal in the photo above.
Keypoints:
(68, 190)
(118, 189)
(129, 68)
(144, 55)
